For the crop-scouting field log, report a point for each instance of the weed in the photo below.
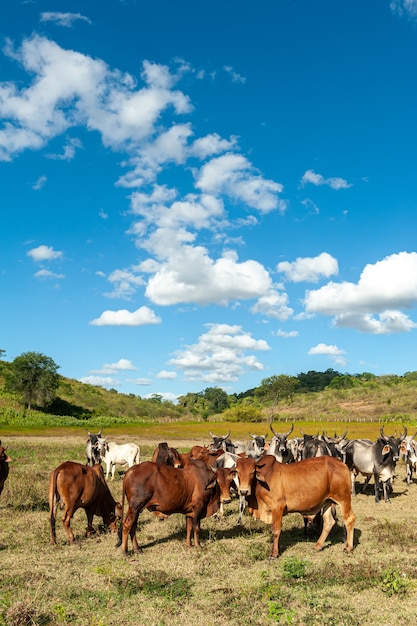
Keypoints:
(294, 568)
(395, 583)
(279, 613)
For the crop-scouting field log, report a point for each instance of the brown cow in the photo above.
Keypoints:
(164, 490)
(4, 466)
(305, 487)
(81, 486)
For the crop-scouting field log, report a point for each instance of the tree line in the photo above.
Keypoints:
(33, 377)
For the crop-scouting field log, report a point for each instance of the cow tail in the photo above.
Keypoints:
(53, 504)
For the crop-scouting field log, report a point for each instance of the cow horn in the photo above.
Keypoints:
(253, 436)
(290, 431)
(404, 435)
(273, 431)
(384, 437)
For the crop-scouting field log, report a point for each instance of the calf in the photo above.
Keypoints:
(305, 487)
(81, 486)
(165, 490)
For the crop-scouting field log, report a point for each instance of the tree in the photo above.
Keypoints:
(34, 376)
(277, 388)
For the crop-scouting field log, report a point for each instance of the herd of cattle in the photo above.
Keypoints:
(307, 475)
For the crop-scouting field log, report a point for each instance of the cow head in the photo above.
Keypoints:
(279, 447)
(219, 442)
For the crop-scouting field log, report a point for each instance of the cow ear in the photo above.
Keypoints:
(386, 449)
(212, 483)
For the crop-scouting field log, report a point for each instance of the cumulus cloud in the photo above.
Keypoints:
(275, 305)
(70, 90)
(220, 354)
(164, 374)
(122, 365)
(100, 381)
(44, 253)
(383, 289)
(311, 177)
(192, 276)
(309, 269)
(142, 316)
(233, 175)
(335, 353)
(46, 274)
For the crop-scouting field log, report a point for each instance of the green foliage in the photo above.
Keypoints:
(316, 381)
(241, 412)
(276, 388)
(395, 583)
(34, 376)
(294, 568)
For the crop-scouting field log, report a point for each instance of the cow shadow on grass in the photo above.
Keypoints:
(146, 540)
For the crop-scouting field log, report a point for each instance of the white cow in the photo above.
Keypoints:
(113, 453)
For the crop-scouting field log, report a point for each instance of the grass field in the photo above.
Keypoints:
(228, 581)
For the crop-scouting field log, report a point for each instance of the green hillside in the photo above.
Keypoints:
(346, 398)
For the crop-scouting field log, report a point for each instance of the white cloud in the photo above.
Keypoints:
(233, 175)
(44, 253)
(310, 176)
(192, 276)
(236, 78)
(404, 7)
(142, 381)
(122, 317)
(385, 323)
(220, 354)
(383, 288)
(70, 88)
(100, 381)
(287, 334)
(273, 304)
(69, 151)
(63, 19)
(46, 274)
(309, 269)
(125, 284)
(39, 183)
(167, 375)
(122, 365)
(335, 353)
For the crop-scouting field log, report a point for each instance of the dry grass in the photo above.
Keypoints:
(229, 581)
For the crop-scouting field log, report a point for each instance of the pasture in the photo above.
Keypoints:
(228, 581)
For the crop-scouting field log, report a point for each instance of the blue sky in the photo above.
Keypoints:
(197, 195)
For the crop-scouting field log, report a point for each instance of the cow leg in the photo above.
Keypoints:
(90, 529)
(276, 531)
(66, 520)
(376, 481)
(129, 527)
(328, 523)
(366, 483)
(242, 504)
(352, 480)
(349, 521)
(189, 529)
(387, 487)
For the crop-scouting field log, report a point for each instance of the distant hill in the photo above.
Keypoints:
(385, 398)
